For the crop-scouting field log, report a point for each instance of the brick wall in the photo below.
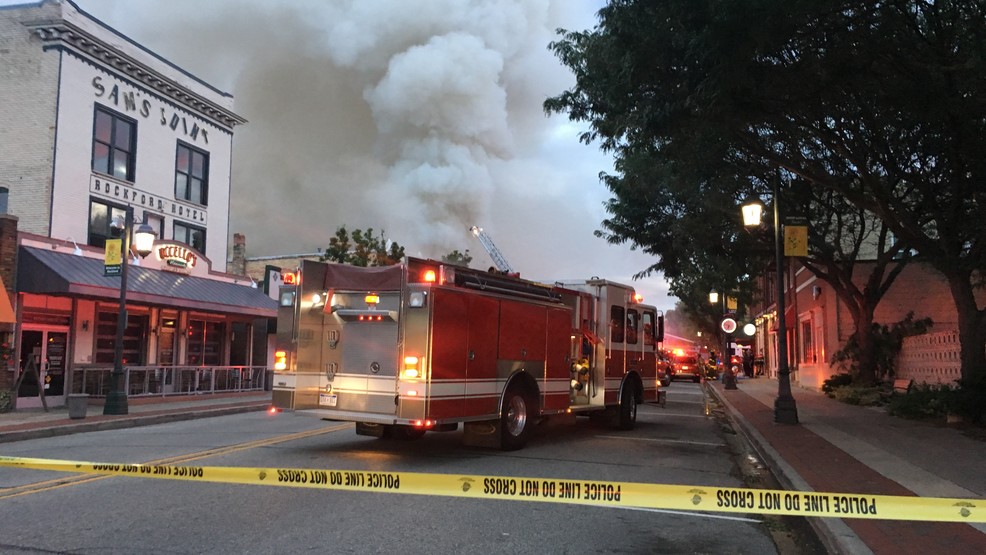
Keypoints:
(28, 97)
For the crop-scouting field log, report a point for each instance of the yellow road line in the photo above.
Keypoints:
(77, 479)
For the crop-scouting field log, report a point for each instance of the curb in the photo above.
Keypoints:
(834, 534)
(127, 422)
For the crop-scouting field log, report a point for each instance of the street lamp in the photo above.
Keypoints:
(785, 408)
(116, 397)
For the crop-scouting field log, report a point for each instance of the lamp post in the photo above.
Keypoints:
(785, 408)
(116, 397)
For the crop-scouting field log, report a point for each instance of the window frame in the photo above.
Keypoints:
(100, 239)
(187, 172)
(112, 147)
(186, 239)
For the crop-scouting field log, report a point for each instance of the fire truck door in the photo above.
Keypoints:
(368, 376)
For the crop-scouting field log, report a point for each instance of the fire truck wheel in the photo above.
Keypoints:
(515, 423)
(628, 409)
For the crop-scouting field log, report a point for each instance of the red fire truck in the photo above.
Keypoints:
(423, 346)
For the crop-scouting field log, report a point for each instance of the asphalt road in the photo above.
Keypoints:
(49, 512)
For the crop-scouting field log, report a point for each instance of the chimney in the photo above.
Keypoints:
(237, 265)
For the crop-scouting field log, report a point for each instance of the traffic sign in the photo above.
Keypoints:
(728, 325)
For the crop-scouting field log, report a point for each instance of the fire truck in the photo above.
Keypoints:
(424, 346)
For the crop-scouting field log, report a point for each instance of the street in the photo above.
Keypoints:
(678, 444)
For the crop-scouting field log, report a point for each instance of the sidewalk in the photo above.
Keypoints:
(35, 423)
(840, 448)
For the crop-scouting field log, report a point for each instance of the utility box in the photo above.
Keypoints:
(78, 403)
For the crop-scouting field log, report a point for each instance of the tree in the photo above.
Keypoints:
(362, 249)
(878, 103)
(458, 258)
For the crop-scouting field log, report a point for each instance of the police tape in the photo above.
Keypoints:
(551, 490)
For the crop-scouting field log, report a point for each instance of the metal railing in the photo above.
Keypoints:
(161, 381)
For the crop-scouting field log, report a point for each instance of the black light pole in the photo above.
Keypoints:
(785, 408)
(116, 397)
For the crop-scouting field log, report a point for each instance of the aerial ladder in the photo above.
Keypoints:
(501, 263)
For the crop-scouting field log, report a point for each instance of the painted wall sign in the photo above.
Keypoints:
(130, 101)
(103, 187)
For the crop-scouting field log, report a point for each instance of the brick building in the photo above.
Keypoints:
(819, 324)
(94, 126)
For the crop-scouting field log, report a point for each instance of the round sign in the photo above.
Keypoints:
(728, 325)
(749, 329)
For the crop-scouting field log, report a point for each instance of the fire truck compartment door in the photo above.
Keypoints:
(367, 379)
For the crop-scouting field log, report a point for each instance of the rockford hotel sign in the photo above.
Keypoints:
(106, 188)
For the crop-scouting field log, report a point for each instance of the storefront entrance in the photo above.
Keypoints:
(43, 358)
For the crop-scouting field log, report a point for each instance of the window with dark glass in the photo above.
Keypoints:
(191, 236)
(648, 320)
(617, 324)
(633, 323)
(192, 175)
(205, 341)
(114, 144)
(134, 338)
(101, 216)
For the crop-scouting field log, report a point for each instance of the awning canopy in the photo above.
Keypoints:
(7, 315)
(49, 272)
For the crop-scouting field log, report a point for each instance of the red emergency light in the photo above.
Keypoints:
(291, 278)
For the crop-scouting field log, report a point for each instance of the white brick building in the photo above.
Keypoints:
(92, 124)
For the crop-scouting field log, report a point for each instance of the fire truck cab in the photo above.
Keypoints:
(423, 346)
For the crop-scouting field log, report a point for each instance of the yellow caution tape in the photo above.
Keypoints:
(552, 490)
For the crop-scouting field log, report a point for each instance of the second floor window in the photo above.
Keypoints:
(100, 219)
(114, 144)
(192, 175)
(191, 236)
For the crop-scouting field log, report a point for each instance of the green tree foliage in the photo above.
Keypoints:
(458, 258)
(870, 105)
(362, 248)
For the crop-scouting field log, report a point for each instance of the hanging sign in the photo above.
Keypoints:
(113, 257)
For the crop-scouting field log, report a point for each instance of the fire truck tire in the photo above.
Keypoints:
(628, 409)
(515, 419)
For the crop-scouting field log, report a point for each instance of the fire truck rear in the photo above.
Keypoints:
(423, 346)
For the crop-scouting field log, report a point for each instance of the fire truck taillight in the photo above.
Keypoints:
(424, 423)
(280, 360)
(372, 299)
(411, 369)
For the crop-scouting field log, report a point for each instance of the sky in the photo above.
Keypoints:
(418, 118)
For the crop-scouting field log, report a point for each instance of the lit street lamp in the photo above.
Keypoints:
(785, 408)
(116, 397)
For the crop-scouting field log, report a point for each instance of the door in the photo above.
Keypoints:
(44, 354)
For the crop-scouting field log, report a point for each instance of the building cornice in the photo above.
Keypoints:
(62, 34)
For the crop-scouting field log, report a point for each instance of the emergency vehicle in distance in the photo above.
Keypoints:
(423, 346)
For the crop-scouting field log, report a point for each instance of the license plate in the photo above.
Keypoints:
(327, 399)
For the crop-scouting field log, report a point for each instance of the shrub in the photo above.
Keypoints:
(863, 396)
(834, 381)
(923, 401)
(969, 400)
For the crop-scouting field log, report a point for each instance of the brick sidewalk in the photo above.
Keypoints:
(830, 469)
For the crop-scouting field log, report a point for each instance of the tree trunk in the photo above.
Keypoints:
(866, 357)
(972, 333)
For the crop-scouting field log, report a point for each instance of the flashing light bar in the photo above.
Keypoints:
(291, 278)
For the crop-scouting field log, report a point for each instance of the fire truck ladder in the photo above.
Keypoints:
(495, 254)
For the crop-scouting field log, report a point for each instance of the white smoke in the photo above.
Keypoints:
(421, 118)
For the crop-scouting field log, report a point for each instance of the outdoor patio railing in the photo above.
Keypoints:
(149, 381)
